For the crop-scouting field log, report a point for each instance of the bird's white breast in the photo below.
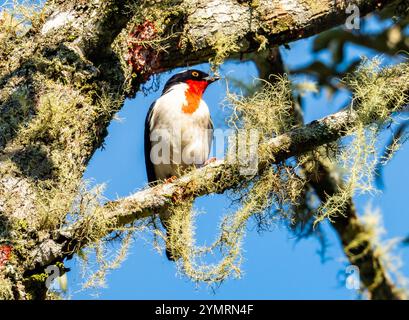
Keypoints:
(187, 135)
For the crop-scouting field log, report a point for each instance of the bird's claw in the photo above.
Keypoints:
(210, 160)
(171, 179)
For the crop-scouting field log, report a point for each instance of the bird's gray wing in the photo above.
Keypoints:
(150, 171)
(210, 128)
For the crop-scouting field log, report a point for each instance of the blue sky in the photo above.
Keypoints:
(276, 266)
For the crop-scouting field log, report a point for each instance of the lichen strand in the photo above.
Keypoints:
(223, 46)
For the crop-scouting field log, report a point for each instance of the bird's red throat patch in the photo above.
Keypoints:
(193, 95)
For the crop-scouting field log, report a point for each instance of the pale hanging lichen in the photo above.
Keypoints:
(223, 46)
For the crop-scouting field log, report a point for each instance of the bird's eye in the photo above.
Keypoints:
(195, 73)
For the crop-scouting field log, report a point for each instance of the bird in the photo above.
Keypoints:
(178, 131)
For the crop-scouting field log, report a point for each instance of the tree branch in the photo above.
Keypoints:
(199, 30)
(216, 29)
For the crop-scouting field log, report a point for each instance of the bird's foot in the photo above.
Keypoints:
(210, 160)
(171, 179)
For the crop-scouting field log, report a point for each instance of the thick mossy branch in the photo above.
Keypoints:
(190, 32)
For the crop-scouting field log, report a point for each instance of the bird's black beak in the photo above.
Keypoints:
(210, 79)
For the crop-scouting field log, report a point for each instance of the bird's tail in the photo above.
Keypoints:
(170, 254)
(176, 230)
(170, 251)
